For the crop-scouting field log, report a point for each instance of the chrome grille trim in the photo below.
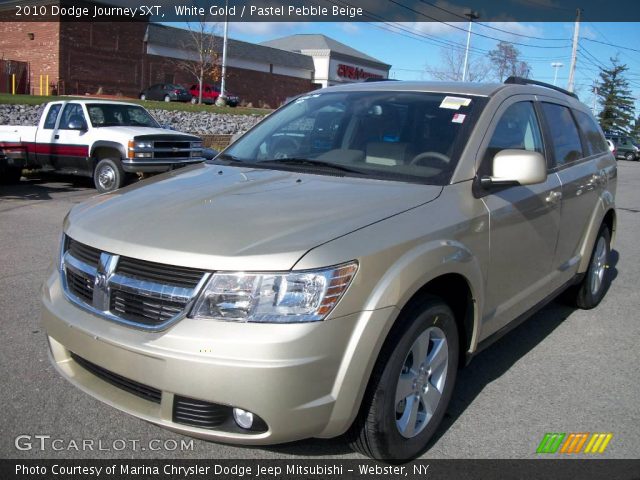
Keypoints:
(146, 296)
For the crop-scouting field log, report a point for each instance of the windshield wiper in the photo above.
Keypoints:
(309, 162)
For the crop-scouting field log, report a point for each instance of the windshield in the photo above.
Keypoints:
(407, 136)
(119, 115)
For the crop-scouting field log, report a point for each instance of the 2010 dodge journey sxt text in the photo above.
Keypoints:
(330, 271)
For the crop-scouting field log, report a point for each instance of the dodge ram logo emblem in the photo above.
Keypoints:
(106, 268)
(100, 281)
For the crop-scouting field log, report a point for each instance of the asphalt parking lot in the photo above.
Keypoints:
(564, 370)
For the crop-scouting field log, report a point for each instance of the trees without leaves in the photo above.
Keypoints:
(452, 64)
(205, 64)
(505, 60)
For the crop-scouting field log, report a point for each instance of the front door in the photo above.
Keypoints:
(524, 221)
(70, 149)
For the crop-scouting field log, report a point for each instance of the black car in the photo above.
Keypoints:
(168, 92)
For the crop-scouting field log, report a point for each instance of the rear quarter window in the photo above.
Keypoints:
(52, 116)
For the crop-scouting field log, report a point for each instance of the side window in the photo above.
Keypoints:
(592, 134)
(72, 112)
(517, 129)
(565, 138)
(52, 116)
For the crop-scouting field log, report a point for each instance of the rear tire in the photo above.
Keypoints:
(194, 100)
(108, 175)
(630, 157)
(143, 96)
(592, 288)
(167, 98)
(10, 175)
(410, 386)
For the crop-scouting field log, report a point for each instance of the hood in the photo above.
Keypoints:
(228, 218)
(128, 133)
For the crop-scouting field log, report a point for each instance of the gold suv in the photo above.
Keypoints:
(330, 271)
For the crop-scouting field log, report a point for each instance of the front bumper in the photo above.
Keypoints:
(303, 380)
(134, 165)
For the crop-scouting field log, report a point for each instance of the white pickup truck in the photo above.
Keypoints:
(108, 141)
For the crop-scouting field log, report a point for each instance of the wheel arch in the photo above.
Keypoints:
(459, 277)
(603, 214)
(106, 149)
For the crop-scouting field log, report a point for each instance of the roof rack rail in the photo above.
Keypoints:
(528, 81)
(372, 79)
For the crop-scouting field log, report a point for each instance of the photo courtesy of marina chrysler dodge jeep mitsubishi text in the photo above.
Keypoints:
(331, 270)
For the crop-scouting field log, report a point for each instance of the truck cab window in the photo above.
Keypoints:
(72, 112)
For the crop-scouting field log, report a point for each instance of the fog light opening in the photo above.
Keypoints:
(243, 418)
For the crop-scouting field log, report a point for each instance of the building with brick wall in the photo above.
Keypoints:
(124, 58)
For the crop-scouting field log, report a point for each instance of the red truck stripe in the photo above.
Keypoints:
(47, 148)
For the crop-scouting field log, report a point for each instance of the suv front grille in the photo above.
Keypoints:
(158, 272)
(143, 310)
(85, 253)
(81, 285)
(143, 294)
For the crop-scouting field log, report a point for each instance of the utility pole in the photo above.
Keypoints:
(595, 96)
(556, 66)
(471, 15)
(574, 51)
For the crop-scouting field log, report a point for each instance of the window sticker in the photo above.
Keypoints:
(458, 118)
(454, 103)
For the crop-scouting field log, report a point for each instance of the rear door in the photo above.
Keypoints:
(524, 220)
(577, 147)
(70, 148)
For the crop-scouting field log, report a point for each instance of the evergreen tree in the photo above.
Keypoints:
(615, 99)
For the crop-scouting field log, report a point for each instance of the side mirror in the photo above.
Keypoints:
(209, 153)
(77, 125)
(516, 167)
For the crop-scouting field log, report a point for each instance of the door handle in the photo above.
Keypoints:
(56, 136)
(554, 197)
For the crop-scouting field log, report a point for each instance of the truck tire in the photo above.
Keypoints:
(108, 175)
(10, 175)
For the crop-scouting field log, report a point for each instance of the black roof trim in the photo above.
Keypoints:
(529, 81)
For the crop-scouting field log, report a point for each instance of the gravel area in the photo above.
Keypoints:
(191, 122)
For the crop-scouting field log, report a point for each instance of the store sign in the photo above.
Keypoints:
(355, 73)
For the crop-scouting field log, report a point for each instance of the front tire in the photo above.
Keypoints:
(167, 98)
(143, 96)
(108, 175)
(630, 157)
(410, 386)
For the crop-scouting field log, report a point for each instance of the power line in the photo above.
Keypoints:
(612, 45)
(492, 27)
(475, 33)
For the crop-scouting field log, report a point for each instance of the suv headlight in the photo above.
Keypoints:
(281, 297)
(143, 144)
